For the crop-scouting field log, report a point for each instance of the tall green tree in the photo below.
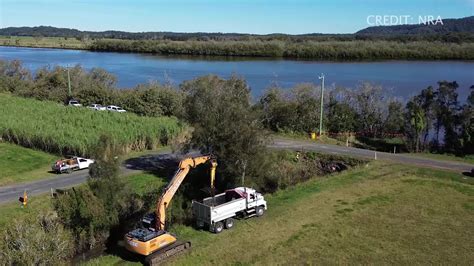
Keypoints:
(341, 117)
(467, 124)
(446, 109)
(426, 100)
(415, 116)
(14, 77)
(395, 118)
(278, 112)
(224, 124)
(369, 102)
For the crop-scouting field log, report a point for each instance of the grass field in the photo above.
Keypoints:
(446, 157)
(20, 164)
(13, 212)
(68, 130)
(378, 214)
(142, 183)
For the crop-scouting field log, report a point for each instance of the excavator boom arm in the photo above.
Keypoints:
(184, 166)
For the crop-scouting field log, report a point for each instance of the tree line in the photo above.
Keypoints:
(434, 120)
(326, 50)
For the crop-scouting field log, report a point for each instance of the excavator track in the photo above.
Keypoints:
(170, 251)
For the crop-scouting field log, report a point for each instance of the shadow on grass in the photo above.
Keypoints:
(381, 144)
(470, 174)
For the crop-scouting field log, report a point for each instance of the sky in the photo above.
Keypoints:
(243, 16)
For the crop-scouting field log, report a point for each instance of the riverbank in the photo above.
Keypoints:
(331, 50)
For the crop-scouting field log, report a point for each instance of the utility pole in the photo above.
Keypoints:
(68, 82)
(322, 99)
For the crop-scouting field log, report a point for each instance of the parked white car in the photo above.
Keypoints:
(74, 103)
(114, 108)
(96, 107)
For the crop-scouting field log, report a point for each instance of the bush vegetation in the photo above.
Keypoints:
(94, 86)
(327, 50)
(92, 210)
(42, 240)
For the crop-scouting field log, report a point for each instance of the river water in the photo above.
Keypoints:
(399, 78)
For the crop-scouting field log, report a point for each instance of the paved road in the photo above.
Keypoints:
(13, 192)
(280, 143)
(152, 162)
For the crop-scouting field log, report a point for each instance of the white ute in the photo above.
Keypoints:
(71, 164)
(218, 212)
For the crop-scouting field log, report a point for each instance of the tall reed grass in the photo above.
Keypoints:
(52, 127)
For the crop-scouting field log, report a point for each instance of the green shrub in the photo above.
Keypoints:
(41, 241)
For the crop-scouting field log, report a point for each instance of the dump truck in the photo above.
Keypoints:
(71, 164)
(220, 211)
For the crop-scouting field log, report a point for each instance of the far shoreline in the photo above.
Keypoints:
(240, 57)
(320, 51)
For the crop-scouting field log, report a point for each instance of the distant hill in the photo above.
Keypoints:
(48, 31)
(462, 25)
(453, 30)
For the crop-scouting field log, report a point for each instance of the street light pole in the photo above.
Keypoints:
(69, 81)
(321, 110)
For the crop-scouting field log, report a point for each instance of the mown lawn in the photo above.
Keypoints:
(13, 212)
(20, 164)
(377, 214)
(446, 157)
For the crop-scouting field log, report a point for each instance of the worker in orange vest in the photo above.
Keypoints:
(24, 199)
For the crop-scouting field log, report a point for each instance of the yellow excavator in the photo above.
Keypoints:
(153, 241)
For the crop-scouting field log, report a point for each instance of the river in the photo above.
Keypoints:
(399, 78)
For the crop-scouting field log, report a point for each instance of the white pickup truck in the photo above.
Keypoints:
(71, 164)
(218, 212)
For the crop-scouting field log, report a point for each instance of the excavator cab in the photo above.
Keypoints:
(149, 221)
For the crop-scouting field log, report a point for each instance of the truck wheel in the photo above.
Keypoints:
(229, 223)
(259, 211)
(218, 227)
(69, 171)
